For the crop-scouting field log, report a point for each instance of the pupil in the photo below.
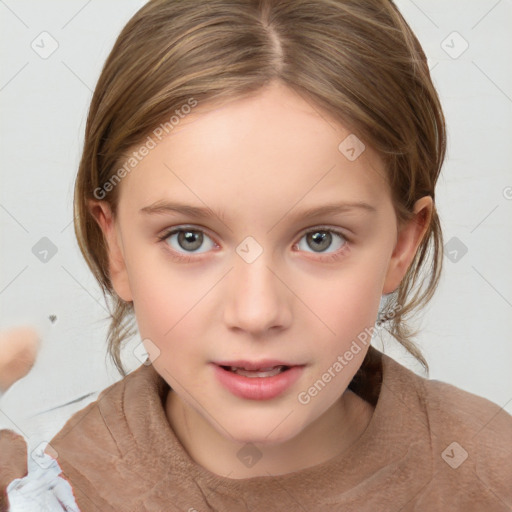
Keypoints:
(321, 239)
(190, 237)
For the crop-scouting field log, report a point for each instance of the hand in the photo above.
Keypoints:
(18, 351)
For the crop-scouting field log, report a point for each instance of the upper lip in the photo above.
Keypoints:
(254, 365)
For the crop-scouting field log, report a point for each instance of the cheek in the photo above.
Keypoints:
(348, 301)
(169, 306)
(166, 306)
(160, 296)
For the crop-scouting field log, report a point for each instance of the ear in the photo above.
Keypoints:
(102, 213)
(409, 238)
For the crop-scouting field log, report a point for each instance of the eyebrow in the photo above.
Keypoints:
(163, 207)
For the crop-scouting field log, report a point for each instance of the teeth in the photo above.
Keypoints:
(264, 372)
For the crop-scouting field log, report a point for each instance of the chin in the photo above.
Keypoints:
(262, 432)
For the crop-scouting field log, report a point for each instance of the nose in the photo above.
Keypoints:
(258, 299)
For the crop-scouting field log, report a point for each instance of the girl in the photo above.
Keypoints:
(257, 192)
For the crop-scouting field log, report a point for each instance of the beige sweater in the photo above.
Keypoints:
(429, 446)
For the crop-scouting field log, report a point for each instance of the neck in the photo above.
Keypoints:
(330, 435)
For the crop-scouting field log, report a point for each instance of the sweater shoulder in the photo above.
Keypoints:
(88, 430)
(453, 409)
(471, 439)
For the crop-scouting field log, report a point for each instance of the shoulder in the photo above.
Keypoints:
(470, 439)
(86, 448)
(469, 429)
(473, 418)
(88, 430)
(454, 407)
(447, 407)
(98, 448)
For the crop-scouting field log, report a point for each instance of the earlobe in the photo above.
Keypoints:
(102, 213)
(409, 239)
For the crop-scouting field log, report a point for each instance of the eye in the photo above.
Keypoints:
(184, 242)
(322, 238)
(186, 239)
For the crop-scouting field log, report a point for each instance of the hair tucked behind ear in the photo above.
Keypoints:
(356, 60)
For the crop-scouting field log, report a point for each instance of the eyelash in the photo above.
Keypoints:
(322, 229)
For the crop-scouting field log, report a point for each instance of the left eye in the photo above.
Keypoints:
(320, 239)
(188, 240)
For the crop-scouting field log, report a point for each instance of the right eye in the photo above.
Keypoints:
(186, 241)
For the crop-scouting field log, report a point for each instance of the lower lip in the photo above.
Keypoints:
(258, 388)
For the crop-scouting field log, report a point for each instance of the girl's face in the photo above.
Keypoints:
(255, 275)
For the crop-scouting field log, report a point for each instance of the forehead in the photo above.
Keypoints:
(273, 149)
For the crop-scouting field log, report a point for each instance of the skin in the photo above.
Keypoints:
(259, 160)
(18, 351)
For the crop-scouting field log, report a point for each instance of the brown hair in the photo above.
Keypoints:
(356, 60)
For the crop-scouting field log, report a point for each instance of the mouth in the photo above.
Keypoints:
(261, 373)
(261, 368)
(262, 380)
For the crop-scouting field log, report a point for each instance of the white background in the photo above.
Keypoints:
(465, 332)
